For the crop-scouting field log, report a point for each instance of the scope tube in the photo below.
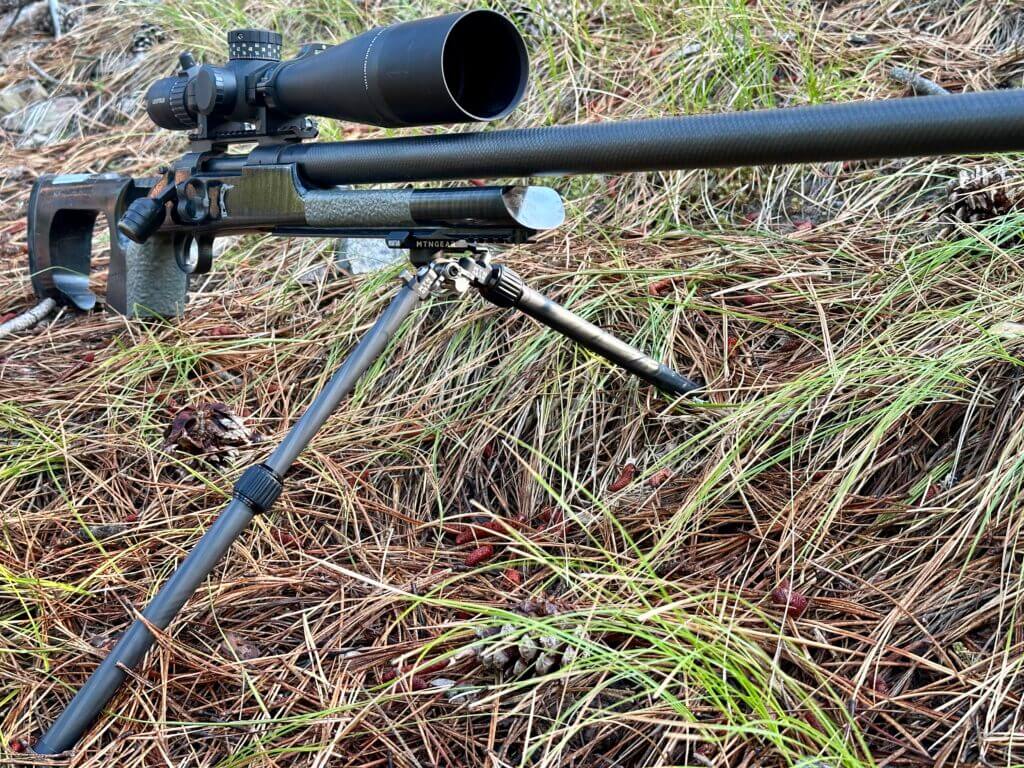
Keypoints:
(926, 125)
(458, 68)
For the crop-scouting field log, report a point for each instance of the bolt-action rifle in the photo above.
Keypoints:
(462, 67)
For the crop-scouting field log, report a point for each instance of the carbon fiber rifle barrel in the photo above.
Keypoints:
(928, 125)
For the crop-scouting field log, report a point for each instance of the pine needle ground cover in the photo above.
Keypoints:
(503, 552)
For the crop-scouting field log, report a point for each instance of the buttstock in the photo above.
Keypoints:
(143, 280)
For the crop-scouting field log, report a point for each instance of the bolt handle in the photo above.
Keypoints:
(144, 216)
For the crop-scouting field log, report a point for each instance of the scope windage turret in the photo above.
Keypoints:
(458, 68)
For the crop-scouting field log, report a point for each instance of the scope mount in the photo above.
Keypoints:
(207, 98)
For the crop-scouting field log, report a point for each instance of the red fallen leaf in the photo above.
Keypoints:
(454, 529)
(661, 288)
(552, 516)
(811, 720)
(286, 537)
(791, 345)
(468, 534)
(803, 225)
(131, 517)
(8, 316)
(660, 477)
(880, 685)
(793, 601)
(491, 527)
(707, 749)
(489, 451)
(18, 745)
(731, 343)
(513, 575)
(430, 669)
(419, 683)
(479, 555)
(89, 357)
(752, 299)
(222, 330)
(478, 182)
(625, 478)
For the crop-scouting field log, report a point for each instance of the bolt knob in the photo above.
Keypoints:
(258, 44)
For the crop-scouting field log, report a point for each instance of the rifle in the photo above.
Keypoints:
(463, 67)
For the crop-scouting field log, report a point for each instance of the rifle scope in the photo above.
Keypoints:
(458, 68)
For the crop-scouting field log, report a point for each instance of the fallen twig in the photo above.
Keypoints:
(28, 318)
(54, 18)
(919, 84)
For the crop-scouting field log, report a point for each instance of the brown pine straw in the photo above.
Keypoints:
(861, 445)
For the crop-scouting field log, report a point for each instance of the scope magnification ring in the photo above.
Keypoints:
(178, 103)
(258, 44)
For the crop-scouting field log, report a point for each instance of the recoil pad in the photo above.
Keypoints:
(258, 487)
(504, 287)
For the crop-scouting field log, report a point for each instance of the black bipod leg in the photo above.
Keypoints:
(503, 287)
(254, 493)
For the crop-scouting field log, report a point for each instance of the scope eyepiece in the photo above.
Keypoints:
(169, 104)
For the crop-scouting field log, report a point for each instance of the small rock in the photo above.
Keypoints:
(127, 107)
(691, 49)
(861, 39)
(18, 96)
(236, 647)
(44, 121)
(357, 256)
(462, 695)
(313, 276)
(101, 531)
(104, 640)
(222, 244)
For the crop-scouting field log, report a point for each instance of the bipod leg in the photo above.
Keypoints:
(256, 490)
(503, 287)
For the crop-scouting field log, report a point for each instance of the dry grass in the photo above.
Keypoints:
(862, 442)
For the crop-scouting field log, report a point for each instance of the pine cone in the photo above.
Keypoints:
(210, 433)
(510, 653)
(146, 37)
(979, 194)
(558, 17)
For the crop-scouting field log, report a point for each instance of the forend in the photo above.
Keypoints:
(462, 67)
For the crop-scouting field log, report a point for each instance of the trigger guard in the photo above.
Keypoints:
(183, 254)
